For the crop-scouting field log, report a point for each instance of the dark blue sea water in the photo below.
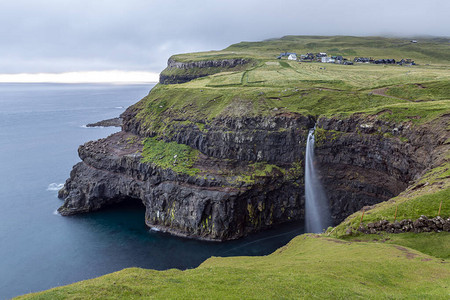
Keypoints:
(41, 127)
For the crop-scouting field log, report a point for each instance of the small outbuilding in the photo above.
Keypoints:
(292, 56)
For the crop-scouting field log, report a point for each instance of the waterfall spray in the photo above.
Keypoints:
(317, 212)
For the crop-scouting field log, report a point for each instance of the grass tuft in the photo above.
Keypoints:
(177, 157)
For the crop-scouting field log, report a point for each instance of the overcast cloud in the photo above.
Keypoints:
(140, 35)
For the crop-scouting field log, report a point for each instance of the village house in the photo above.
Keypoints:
(339, 59)
(387, 61)
(292, 56)
(310, 56)
(327, 59)
(365, 60)
(407, 62)
(283, 54)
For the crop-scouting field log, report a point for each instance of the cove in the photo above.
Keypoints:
(41, 129)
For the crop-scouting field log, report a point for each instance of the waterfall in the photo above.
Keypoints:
(317, 212)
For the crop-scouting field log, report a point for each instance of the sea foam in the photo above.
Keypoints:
(55, 186)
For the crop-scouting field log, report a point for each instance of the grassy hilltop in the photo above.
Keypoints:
(426, 51)
(334, 264)
(266, 84)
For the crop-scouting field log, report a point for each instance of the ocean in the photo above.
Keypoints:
(41, 127)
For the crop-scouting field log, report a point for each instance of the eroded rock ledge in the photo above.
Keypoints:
(174, 73)
(208, 206)
(114, 122)
(362, 160)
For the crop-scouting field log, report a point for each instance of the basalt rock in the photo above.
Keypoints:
(203, 207)
(204, 68)
(422, 224)
(114, 122)
(362, 161)
(276, 139)
(218, 63)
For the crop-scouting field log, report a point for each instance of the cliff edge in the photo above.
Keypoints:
(216, 150)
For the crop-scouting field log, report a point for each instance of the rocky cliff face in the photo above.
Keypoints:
(180, 72)
(222, 63)
(208, 206)
(362, 161)
(271, 139)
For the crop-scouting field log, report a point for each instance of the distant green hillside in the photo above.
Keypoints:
(270, 86)
(427, 50)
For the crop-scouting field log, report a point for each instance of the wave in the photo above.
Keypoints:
(119, 107)
(90, 127)
(154, 229)
(55, 186)
(56, 213)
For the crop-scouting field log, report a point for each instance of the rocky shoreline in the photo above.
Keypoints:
(114, 122)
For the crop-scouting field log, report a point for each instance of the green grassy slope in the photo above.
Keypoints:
(334, 265)
(422, 198)
(267, 84)
(308, 267)
(429, 51)
(436, 244)
(418, 93)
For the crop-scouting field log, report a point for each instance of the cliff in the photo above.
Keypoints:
(181, 72)
(221, 156)
(231, 195)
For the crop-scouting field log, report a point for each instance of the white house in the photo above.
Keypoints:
(292, 56)
(327, 59)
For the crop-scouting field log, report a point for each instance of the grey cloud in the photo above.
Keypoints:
(58, 36)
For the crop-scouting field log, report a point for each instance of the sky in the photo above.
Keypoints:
(77, 36)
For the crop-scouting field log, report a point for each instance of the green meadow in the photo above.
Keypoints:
(267, 85)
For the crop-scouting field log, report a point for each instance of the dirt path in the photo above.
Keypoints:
(327, 89)
(382, 92)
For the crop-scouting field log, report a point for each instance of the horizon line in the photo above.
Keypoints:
(111, 76)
